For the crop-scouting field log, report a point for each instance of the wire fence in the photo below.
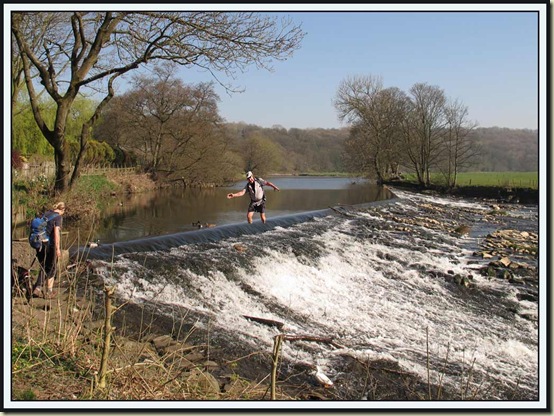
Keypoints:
(48, 170)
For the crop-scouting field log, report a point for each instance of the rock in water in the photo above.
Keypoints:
(463, 230)
(322, 378)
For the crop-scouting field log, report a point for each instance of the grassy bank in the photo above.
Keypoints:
(528, 180)
(512, 187)
(502, 179)
(85, 200)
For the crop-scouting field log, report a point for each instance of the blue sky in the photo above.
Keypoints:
(487, 60)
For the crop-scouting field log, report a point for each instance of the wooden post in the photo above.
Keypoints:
(278, 340)
(108, 329)
(276, 348)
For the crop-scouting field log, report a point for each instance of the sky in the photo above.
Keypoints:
(489, 57)
(488, 60)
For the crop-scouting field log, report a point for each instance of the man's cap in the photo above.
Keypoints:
(248, 175)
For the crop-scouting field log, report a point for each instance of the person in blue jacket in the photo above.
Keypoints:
(49, 253)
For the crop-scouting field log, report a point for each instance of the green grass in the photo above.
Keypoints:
(91, 190)
(500, 179)
(93, 183)
(504, 179)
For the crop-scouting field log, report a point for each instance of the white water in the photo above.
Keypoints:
(342, 277)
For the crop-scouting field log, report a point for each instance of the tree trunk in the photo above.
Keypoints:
(62, 171)
(57, 139)
(378, 172)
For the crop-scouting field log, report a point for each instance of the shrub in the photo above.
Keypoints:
(17, 159)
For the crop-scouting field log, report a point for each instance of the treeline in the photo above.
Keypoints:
(315, 150)
(322, 150)
(174, 131)
(506, 150)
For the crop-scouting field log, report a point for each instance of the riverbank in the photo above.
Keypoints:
(168, 358)
(516, 195)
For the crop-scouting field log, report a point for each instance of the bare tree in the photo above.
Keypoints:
(424, 129)
(376, 114)
(460, 149)
(34, 28)
(99, 47)
(170, 126)
(355, 96)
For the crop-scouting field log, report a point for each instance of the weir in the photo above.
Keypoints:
(383, 288)
(205, 235)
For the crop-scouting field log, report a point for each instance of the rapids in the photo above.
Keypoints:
(378, 289)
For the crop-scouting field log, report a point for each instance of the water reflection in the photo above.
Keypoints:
(175, 210)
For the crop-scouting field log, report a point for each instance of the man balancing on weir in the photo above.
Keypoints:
(254, 186)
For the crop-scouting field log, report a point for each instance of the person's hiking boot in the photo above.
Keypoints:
(37, 292)
(50, 294)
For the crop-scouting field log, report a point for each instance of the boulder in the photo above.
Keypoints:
(204, 383)
(505, 261)
(24, 255)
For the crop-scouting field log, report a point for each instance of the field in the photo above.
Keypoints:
(501, 179)
(505, 179)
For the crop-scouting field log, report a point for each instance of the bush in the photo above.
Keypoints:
(17, 159)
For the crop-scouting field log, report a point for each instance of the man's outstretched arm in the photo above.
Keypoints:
(273, 186)
(237, 194)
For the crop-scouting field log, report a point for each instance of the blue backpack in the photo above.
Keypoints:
(38, 234)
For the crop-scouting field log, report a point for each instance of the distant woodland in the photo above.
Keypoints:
(505, 149)
(321, 150)
(318, 150)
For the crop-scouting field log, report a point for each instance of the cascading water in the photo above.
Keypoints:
(376, 286)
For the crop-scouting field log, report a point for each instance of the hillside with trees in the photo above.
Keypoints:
(239, 146)
(297, 150)
(322, 150)
(504, 150)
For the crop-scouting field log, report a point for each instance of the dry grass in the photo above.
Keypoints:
(57, 349)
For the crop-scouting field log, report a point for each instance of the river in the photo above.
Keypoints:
(350, 273)
(176, 210)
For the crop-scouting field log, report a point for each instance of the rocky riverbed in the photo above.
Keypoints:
(502, 241)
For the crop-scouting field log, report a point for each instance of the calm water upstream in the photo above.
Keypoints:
(176, 210)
